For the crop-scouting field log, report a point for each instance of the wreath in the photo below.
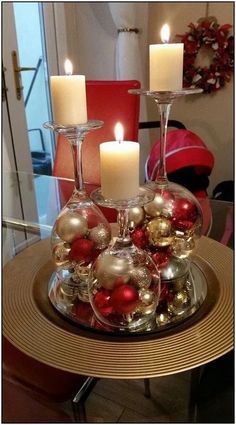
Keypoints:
(209, 34)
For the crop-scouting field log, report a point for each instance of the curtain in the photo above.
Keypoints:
(128, 59)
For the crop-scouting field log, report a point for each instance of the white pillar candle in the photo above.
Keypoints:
(166, 64)
(69, 97)
(119, 167)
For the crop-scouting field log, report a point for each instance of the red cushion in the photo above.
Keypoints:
(49, 381)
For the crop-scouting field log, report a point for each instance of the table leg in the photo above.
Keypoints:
(147, 391)
(194, 386)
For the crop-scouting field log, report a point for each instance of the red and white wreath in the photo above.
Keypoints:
(209, 34)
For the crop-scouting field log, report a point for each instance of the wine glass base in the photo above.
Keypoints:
(166, 96)
(144, 196)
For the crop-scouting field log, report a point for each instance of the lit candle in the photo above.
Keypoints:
(69, 97)
(166, 64)
(119, 167)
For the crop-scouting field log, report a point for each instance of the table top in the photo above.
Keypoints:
(31, 323)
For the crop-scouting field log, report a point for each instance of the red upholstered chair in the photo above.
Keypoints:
(108, 101)
(38, 384)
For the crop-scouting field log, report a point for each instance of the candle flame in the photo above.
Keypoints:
(68, 67)
(165, 33)
(119, 132)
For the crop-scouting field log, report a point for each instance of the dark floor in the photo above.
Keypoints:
(123, 401)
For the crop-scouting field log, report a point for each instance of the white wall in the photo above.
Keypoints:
(209, 115)
(91, 36)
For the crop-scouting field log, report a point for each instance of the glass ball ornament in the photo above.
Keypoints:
(124, 288)
(172, 222)
(80, 233)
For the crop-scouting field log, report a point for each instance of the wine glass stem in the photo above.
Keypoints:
(123, 223)
(164, 110)
(76, 146)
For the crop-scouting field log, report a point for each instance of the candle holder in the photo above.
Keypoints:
(172, 222)
(80, 232)
(124, 287)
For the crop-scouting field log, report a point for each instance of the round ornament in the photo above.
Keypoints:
(161, 205)
(208, 37)
(139, 237)
(83, 250)
(182, 248)
(180, 302)
(71, 225)
(124, 299)
(135, 216)
(102, 301)
(100, 235)
(112, 271)
(159, 232)
(141, 277)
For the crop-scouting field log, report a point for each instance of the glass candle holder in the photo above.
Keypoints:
(80, 232)
(172, 222)
(124, 284)
(169, 226)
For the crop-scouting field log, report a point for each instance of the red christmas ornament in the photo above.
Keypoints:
(161, 259)
(139, 238)
(184, 214)
(124, 299)
(102, 301)
(182, 224)
(83, 250)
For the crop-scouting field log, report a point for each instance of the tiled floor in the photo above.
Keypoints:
(123, 401)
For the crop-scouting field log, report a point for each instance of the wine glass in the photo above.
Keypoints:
(124, 284)
(80, 232)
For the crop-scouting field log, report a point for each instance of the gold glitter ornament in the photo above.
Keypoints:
(182, 248)
(110, 270)
(101, 235)
(136, 216)
(71, 225)
(180, 303)
(141, 276)
(159, 232)
(60, 254)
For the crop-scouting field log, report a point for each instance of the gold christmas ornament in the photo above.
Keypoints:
(159, 207)
(141, 276)
(180, 302)
(60, 254)
(101, 235)
(111, 271)
(135, 216)
(182, 248)
(163, 319)
(159, 232)
(148, 301)
(71, 225)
